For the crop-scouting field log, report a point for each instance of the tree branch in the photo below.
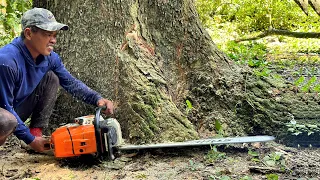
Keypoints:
(273, 31)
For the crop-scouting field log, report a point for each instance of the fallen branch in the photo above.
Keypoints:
(265, 170)
(272, 31)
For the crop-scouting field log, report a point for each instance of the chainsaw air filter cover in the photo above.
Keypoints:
(73, 140)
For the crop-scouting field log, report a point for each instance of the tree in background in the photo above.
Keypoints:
(161, 68)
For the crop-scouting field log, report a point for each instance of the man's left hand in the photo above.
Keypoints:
(108, 104)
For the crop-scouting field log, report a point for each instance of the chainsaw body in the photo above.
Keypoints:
(88, 135)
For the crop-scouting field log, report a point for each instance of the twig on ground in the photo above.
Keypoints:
(265, 170)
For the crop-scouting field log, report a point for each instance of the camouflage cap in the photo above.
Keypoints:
(43, 19)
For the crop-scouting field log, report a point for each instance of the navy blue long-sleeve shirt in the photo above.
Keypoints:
(20, 75)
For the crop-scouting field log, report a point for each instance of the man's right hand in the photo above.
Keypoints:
(38, 144)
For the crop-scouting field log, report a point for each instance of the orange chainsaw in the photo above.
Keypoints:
(93, 134)
(87, 135)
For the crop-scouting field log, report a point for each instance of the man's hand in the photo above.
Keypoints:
(108, 104)
(38, 144)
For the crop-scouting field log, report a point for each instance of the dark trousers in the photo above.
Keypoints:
(40, 103)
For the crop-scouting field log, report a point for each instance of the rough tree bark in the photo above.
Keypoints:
(151, 56)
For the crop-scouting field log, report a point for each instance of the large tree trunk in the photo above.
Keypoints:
(151, 56)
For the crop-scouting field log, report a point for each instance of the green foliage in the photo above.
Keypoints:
(219, 129)
(254, 155)
(305, 84)
(246, 178)
(295, 129)
(317, 88)
(227, 20)
(212, 177)
(206, 8)
(262, 72)
(141, 176)
(192, 165)
(274, 159)
(214, 155)
(218, 125)
(10, 17)
(308, 85)
(272, 176)
(252, 53)
(189, 106)
(218, 10)
(225, 178)
(256, 15)
(291, 44)
(299, 81)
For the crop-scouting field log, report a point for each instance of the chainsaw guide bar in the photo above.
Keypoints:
(200, 142)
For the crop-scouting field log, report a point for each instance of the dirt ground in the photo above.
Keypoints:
(240, 161)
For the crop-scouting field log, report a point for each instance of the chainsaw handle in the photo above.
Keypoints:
(97, 117)
(97, 130)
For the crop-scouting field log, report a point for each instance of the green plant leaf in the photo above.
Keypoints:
(272, 176)
(253, 153)
(317, 88)
(217, 125)
(307, 86)
(310, 132)
(270, 163)
(189, 104)
(291, 129)
(246, 178)
(312, 126)
(302, 126)
(277, 156)
(299, 81)
(297, 133)
(225, 178)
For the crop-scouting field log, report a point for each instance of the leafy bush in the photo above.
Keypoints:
(10, 17)
(256, 15)
(217, 10)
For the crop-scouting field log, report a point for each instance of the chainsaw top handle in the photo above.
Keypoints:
(97, 130)
(97, 116)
